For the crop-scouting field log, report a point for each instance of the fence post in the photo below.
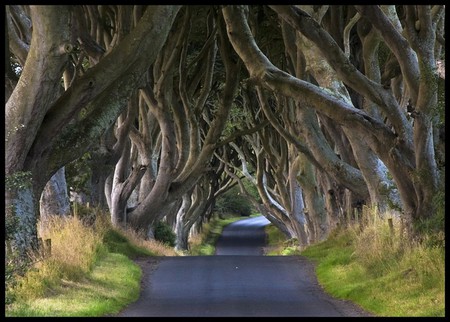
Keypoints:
(391, 227)
(48, 247)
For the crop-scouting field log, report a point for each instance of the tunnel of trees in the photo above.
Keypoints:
(154, 112)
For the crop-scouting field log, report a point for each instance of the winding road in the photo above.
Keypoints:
(237, 281)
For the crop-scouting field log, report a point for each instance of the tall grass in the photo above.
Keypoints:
(74, 250)
(381, 246)
(77, 243)
(374, 263)
(156, 248)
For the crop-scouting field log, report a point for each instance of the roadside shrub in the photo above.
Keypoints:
(164, 233)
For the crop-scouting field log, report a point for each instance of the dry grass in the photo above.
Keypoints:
(377, 243)
(381, 246)
(376, 265)
(73, 251)
(76, 245)
(154, 246)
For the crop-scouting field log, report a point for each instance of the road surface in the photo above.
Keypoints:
(243, 237)
(238, 282)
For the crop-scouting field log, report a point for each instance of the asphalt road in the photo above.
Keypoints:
(243, 237)
(238, 281)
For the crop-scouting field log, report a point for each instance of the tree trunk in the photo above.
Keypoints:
(181, 230)
(313, 199)
(37, 88)
(54, 198)
(20, 209)
(303, 227)
(43, 147)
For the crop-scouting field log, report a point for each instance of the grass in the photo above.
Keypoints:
(374, 267)
(380, 270)
(277, 244)
(113, 282)
(128, 242)
(90, 271)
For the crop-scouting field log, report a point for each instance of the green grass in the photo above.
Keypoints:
(113, 283)
(98, 282)
(394, 287)
(277, 244)
(118, 243)
(378, 269)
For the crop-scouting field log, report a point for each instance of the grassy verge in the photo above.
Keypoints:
(89, 273)
(374, 266)
(112, 283)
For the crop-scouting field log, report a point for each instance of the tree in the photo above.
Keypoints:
(180, 103)
(409, 158)
(46, 128)
(335, 107)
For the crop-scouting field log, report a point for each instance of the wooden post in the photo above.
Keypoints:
(48, 247)
(75, 209)
(391, 230)
(391, 226)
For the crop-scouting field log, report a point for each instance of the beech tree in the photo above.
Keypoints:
(176, 96)
(45, 128)
(323, 108)
(405, 146)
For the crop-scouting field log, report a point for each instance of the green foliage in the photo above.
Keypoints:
(16, 265)
(290, 247)
(15, 268)
(164, 233)
(290, 251)
(86, 214)
(18, 180)
(10, 283)
(384, 53)
(236, 120)
(251, 188)
(78, 173)
(232, 202)
(11, 225)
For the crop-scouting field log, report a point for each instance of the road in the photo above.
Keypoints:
(243, 237)
(237, 282)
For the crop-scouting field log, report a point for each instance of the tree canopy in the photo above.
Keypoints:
(322, 109)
